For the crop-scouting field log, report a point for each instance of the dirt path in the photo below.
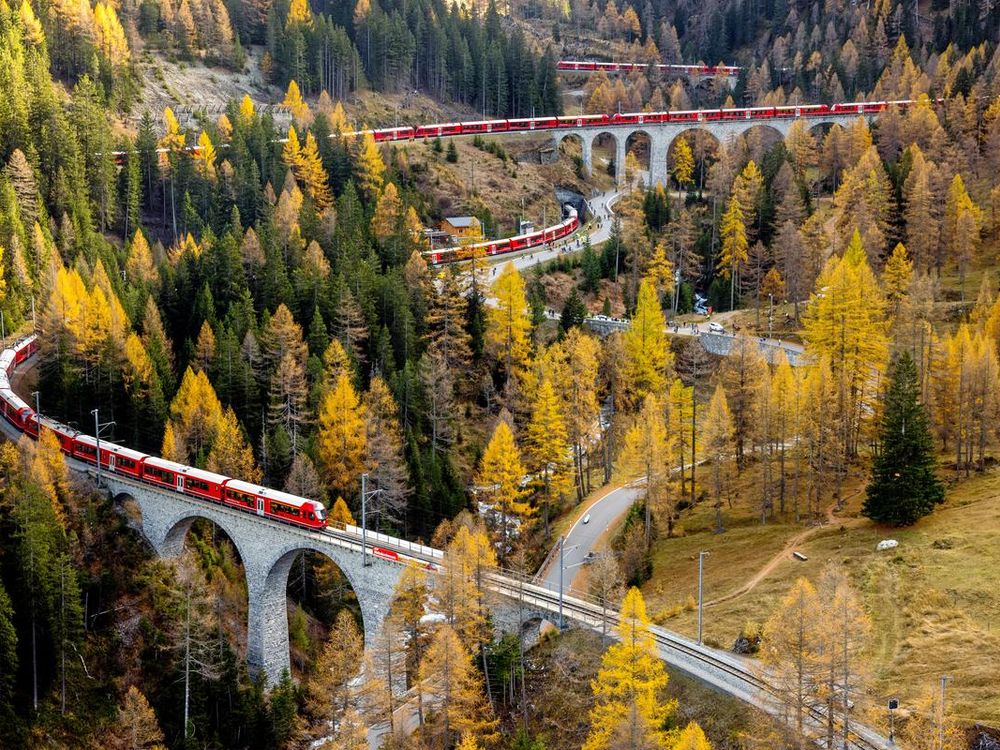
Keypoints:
(784, 554)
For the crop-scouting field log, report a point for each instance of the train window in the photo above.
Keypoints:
(126, 463)
(196, 484)
(241, 497)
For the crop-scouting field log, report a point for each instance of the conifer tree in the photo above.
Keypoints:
(341, 439)
(509, 324)
(547, 448)
(903, 486)
(448, 674)
(293, 97)
(370, 168)
(735, 247)
(629, 709)
(500, 475)
(230, 454)
(646, 452)
(683, 168)
(136, 727)
(649, 359)
(717, 444)
(691, 738)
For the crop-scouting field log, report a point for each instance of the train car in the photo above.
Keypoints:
(7, 361)
(438, 130)
(185, 479)
(393, 134)
(690, 115)
(484, 126)
(15, 410)
(274, 504)
(114, 458)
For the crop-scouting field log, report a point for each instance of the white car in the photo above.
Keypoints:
(586, 518)
(716, 327)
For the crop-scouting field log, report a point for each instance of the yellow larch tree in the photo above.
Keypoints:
(33, 31)
(388, 213)
(499, 478)
(717, 444)
(735, 248)
(659, 269)
(680, 407)
(139, 266)
(846, 323)
(370, 167)
(291, 151)
(247, 109)
(691, 738)
(645, 452)
(204, 157)
(173, 139)
(508, 327)
(460, 592)
(313, 175)
(582, 408)
(896, 277)
(629, 708)
(341, 438)
(340, 513)
(204, 348)
(195, 414)
(231, 454)
(793, 640)
(136, 727)
(961, 228)
(547, 447)
(683, 167)
(299, 13)
(846, 629)
(109, 35)
(649, 360)
(294, 101)
(448, 674)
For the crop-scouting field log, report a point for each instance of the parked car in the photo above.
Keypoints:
(716, 327)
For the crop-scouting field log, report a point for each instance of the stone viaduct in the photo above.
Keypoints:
(662, 135)
(267, 550)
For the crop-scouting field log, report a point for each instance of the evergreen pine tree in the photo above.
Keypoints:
(903, 486)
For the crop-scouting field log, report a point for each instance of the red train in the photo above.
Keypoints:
(592, 66)
(509, 245)
(116, 459)
(447, 129)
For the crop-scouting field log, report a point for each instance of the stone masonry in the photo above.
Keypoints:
(268, 550)
(662, 135)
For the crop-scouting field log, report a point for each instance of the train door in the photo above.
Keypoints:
(260, 506)
(111, 462)
(180, 482)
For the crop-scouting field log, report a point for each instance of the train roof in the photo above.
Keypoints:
(13, 399)
(6, 359)
(256, 489)
(188, 471)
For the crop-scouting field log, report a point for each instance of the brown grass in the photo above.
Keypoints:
(933, 601)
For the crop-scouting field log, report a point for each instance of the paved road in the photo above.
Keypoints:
(583, 537)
